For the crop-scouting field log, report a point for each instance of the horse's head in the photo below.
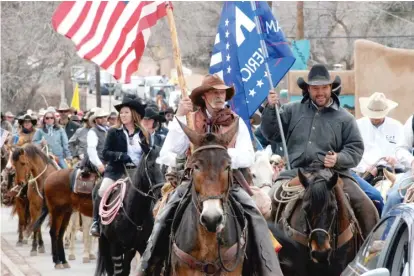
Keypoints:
(320, 206)
(261, 170)
(211, 175)
(21, 166)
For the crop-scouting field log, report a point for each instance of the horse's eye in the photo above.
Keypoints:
(196, 167)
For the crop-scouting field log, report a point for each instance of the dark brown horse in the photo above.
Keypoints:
(60, 201)
(211, 237)
(321, 225)
(32, 167)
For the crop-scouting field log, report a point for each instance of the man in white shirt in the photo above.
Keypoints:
(404, 154)
(379, 133)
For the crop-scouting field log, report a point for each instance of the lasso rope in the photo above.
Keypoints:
(33, 180)
(109, 211)
(288, 193)
(409, 196)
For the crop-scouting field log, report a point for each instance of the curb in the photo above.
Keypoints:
(14, 262)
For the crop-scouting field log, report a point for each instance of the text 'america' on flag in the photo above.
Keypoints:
(238, 59)
(112, 34)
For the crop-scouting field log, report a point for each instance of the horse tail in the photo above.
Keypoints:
(104, 265)
(45, 211)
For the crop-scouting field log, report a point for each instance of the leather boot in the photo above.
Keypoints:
(157, 249)
(95, 227)
(364, 209)
(262, 254)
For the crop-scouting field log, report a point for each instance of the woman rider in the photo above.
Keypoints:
(122, 149)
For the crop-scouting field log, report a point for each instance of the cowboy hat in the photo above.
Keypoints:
(63, 107)
(50, 109)
(9, 114)
(99, 113)
(318, 75)
(210, 82)
(151, 113)
(134, 104)
(75, 118)
(27, 117)
(377, 106)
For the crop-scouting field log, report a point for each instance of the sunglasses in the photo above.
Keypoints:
(49, 118)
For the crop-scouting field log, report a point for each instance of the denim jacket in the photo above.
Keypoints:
(56, 138)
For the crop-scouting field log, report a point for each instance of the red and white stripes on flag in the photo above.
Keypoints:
(112, 34)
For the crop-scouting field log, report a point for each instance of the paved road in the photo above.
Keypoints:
(17, 261)
(91, 102)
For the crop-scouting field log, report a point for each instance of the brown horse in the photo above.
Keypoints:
(32, 167)
(60, 201)
(211, 236)
(321, 225)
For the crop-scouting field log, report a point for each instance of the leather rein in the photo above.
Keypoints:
(235, 251)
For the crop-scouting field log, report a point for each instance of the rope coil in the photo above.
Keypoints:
(109, 211)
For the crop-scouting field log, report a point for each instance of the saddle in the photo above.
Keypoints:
(83, 181)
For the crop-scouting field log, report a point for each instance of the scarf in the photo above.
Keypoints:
(224, 117)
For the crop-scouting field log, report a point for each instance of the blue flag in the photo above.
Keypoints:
(238, 59)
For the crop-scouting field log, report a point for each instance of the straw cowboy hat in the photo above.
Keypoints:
(9, 114)
(377, 106)
(210, 82)
(99, 113)
(63, 107)
(27, 117)
(134, 104)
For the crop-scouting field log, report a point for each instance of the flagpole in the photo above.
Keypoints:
(177, 56)
(269, 78)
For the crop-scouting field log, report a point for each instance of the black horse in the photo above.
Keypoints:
(131, 228)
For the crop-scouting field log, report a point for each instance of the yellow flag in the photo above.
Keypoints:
(75, 98)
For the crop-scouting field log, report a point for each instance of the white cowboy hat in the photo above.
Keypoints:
(99, 113)
(377, 106)
(63, 107)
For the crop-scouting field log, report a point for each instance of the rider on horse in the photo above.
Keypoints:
(122, 148)
(26, 130)
(211, 116)
(318, 129)
(152, 122)
(78, 142)
(404, 154)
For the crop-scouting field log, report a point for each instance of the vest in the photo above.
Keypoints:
(101, 141)
(197, 123)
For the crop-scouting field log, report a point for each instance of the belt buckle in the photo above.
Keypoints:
(209, 268)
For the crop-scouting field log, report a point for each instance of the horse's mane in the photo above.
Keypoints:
(140, 175)
(32, 151)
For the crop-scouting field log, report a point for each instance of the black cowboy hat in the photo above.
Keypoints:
(151, 113)
(27, 117)
(319, 75)
(169, 110)
(134, 104)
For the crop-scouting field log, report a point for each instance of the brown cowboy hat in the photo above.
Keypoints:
(210, 82)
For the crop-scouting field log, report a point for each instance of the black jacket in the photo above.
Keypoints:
(115, 146)
(71, 128)
(310, 133)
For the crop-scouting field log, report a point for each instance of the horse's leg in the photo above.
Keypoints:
(117, 255)
(41, 248)
(34, 214)
(33, 252)
(87, 239)
(56, 221)
(61, 249)
(20, 209)
(70, 234)
(128, 256)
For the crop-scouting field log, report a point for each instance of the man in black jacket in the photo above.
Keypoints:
(317, 128)
(69, 126)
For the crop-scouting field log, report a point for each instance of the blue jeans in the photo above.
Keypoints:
(393, 196)
(62, 163)
(371, 192)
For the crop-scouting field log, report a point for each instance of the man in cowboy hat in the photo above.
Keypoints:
(212, 115)
(152, 122)
(169, 115)
(69, 126)
(112, 119)
(379, 132)
(319, 130)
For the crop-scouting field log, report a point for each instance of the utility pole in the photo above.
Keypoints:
(98, 86)
(300, 32)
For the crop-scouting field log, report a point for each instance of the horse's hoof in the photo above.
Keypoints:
(59, 266)
(41, 249)
(92, 257)
(33, 253)
(86, 260)
(25, 242)
(66, 265)
(72, 257)
(19, 244)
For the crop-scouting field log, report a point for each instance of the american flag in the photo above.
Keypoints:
(112, 34)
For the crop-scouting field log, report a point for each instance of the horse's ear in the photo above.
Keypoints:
(269, 151)
(225, 138)
(195, 138)
(332, 182)
(302, 178)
